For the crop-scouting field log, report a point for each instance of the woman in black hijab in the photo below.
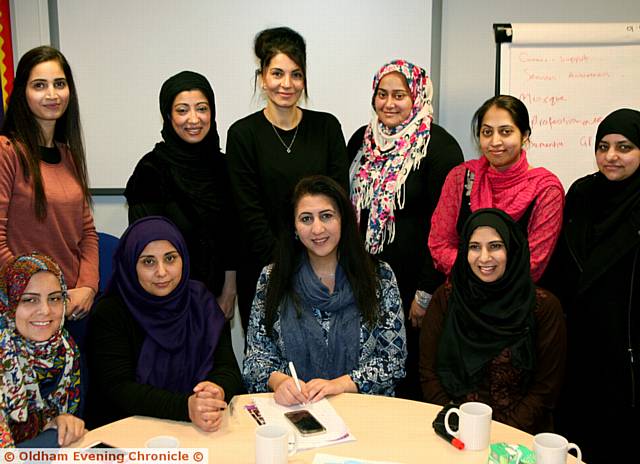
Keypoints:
(595, 271)
(490, 335)
(184, 178)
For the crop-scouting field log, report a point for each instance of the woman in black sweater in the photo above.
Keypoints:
(271, 150)
(158, 343)
(595, 271)
(184, 178)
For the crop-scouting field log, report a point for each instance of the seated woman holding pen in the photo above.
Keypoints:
(326, 306)
(158, 343)
(490, 335)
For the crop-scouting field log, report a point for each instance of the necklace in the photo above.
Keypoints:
(324, 275)
(286, 147)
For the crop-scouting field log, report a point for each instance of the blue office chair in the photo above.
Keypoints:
(106, 247)
(107, 244)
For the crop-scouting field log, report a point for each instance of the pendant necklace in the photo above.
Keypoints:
(286, 147)
(322, 276)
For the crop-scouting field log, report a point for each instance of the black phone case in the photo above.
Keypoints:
(307, 426)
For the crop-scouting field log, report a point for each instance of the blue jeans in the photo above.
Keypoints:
(46, 439)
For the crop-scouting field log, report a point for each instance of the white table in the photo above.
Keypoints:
(385, 428)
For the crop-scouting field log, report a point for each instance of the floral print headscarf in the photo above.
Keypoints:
(387, 156)
(39, 380)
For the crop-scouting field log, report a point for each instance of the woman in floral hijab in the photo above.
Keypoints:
(400, 161)
(39, 362)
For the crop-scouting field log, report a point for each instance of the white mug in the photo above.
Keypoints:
(272, 444)
(163, 441)
(474, 428)
(551, 448)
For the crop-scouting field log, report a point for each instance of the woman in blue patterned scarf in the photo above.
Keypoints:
(39, 361)
(325, 306)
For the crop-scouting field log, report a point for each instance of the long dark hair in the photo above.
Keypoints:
(357, 264)
(269, 42)
(24, 130)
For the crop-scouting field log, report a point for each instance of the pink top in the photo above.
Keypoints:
(67, 233)
(512, 191)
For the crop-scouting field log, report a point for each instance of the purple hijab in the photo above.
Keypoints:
(183, 328)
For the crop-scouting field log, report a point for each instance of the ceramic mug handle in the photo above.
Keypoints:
(455, 433)
(571, 446)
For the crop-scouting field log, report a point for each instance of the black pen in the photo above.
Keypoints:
(442, 432)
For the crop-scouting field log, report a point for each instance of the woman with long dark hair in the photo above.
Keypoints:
(326, 306)
(44, 193)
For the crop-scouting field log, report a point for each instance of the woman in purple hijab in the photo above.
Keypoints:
(158, 344)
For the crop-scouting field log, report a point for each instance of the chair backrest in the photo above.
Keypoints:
(107, 244)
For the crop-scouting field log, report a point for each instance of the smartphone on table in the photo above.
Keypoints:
(304, 421)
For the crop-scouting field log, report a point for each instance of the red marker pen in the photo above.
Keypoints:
(442, 432)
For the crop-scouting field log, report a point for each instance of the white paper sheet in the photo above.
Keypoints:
(337, 430)
(322, 458)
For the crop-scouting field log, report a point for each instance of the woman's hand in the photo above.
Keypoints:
(286, 391)
(206, 406)
(227, 303)
(319, 388)
(416, 314)
(70, 428)
(80, 302)
(227, 299)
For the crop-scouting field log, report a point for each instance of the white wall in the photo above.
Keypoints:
(110, 214)
(468, 48)
(121, 51)
(29, 25)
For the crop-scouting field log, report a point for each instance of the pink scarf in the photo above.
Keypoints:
(511, 190)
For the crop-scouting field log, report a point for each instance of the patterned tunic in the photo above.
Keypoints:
(382, 350)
